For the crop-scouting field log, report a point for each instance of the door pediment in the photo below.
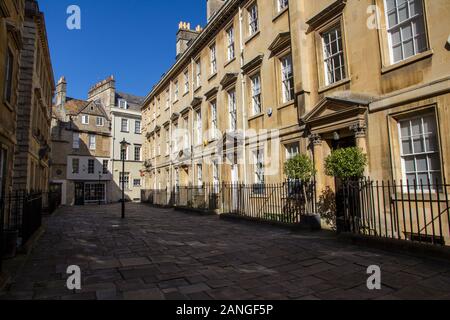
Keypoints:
(335, 112)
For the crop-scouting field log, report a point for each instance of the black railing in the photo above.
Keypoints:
(418, 212)
(21, 217)
(283, 202)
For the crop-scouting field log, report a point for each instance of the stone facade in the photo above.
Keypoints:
(378, 87)
(86, 139)
(36, 88)
(11, 22)
(245, 46)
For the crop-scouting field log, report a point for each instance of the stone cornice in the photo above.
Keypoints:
(281, 42)
(211, 92)
(253, 64)
(228, 79)
(326, 14)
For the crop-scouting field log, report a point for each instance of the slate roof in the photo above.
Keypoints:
(134, 102)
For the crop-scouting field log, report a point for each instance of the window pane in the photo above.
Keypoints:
(418, 145)
(410, 165)
(422, 163)
(408, 48)
(431, 143)
(416, 125)
(435, 163)
(407, 147)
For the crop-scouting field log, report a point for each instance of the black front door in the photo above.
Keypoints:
(79, 194)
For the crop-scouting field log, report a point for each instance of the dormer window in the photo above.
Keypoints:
(123, 104)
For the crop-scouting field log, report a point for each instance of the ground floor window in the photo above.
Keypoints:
(2, 170)
(292, 150)
(94, 192)
(137, 183)
(420, 155)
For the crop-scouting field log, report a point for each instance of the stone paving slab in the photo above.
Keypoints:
(164, 254)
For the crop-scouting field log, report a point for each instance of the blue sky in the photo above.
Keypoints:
(132, 39)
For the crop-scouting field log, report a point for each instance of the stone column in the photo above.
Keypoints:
(316, 141)
(360, 131)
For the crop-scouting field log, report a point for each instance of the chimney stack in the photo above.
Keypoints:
(212, 6)
(61, 92)
(185, 35)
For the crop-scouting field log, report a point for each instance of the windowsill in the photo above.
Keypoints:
(253, 36)
(229, 62)
(404, 63)
(279, 14)
(197, 89)
(185, 94)
(212, 76)
(334, 85)
(257, 116)
(125, 131)
(175, 101)
(286, 104)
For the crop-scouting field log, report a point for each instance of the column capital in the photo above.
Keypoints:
(315, 139)
(359, 129)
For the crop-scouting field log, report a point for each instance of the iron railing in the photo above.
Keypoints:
(414, 211)
(21, 216)
(283, 202)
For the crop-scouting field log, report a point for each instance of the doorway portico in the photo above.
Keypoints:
(334, 123)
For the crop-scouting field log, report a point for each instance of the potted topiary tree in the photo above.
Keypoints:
(347, 166)
(300, 171)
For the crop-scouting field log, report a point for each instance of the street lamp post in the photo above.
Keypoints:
(123, 148)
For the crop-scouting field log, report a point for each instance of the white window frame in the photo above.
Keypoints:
(85, 119)
(231, 53)
(186, 81)
(123, 104)
(213, 59)
(122, 122)
(255, 81)
(214, 119)
(253, 19)
(199, 174)
(167, 142)
(124, 177)
(137, 156)
(290, 147)
(258, 156)
(429, 155)
(333, 73)
(92, 142)
(411, 21)
(100, 121)
(167, 99)
(77, 166)
(232, 109)
(105, 166)
(198, 126)
(287, 78)
(198, 72)
(138, 127)
(176, 91)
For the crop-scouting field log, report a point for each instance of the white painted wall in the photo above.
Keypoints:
(83, 174)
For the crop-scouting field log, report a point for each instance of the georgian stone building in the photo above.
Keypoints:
(86, 135)
(36, 88)
(326, 74)
(230, 79)
(375, 74)
(11, 21)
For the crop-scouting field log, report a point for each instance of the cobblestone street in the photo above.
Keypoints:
(163, 254)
